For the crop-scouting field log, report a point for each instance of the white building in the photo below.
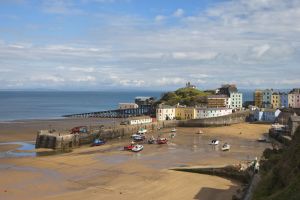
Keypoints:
(212, 112)
(140, 120)
(164, 112)
(236, 100)
(266, 115)
(123, 106)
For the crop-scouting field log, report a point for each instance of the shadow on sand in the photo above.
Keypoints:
(215, 194)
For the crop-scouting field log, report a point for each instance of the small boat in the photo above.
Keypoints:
(137, 148)
(214, 142)
(137, 137)
(142, 131)
(173, 130)
(225, 147)
(98, 142)
(162, 141)
(151, 140)
(200, 132)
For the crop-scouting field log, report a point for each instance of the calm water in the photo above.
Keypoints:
(45, 105)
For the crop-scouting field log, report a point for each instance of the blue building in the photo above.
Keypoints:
(284, 100)
(266, 115)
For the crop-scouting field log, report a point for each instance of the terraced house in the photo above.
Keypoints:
(275, 100)
(294, 98)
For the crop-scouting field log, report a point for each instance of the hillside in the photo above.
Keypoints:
(185, 96)
(281, 173)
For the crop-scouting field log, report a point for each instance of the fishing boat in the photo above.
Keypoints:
(98, 142)
(137, 148)
(214, 142)
(225, 147)
(162, 141)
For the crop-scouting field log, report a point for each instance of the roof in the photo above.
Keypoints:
(143, 98)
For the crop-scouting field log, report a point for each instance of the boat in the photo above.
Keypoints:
(98, 142)
(225, 147)
(142, 131)
(137, 148)
(151, 140)
(162, 141)
(214, 142)
(137, 137)
(173, 130)
(200, 132)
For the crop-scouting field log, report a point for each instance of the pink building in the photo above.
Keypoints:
(294, 98)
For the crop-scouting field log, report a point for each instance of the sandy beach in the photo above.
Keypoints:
(108, 172)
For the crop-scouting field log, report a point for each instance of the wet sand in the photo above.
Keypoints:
(108, 172)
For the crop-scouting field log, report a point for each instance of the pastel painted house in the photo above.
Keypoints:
(284, 100)
(236, 100)
(294, 98)
(266, 115)
(165, 112)
(185, 113)
(202, 113)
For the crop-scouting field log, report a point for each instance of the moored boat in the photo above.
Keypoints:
(98, 142)
(174, 130)
(214, 142)
(137, 148)
(129, 147)
(225, 147)
(162, 141)
(142, 131)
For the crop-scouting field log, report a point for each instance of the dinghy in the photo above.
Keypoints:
(137, 148)
(225, 147)
(214, 142)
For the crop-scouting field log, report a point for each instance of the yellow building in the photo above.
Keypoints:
(258, 98)
(184, 113)
(275, 100)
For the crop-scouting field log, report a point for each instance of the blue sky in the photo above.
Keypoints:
(148, 45)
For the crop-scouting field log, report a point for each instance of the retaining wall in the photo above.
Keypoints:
(234, 118)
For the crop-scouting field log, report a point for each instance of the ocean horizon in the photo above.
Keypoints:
(27, 105)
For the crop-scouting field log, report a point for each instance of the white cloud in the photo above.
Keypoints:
(160, 18)
(178, 13)
(194, 55)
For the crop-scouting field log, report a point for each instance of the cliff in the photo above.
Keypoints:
(280, 173)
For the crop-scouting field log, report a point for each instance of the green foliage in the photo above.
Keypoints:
(185, 96)
(281, 173)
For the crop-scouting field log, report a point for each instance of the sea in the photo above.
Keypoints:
(26, 105)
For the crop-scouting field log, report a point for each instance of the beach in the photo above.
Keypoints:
(108, 172)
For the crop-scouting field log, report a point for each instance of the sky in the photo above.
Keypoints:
(148, 44)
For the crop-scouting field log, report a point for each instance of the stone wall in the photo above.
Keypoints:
(234, 118)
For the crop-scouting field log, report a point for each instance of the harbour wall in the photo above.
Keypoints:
(226, 120)
(60, 141)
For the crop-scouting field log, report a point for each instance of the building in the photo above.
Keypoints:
(202, 113)
(184, 113)
(258, 98)
(293, 124)
(284, 100)
(123, 106)
(266, 115)
(218, 101)
(189, 85)
(165, 112)
(227, 89)
(275, 100)
(267, 98)
(140, 120)
(294, 98)
(144, 101)
(236, 99)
